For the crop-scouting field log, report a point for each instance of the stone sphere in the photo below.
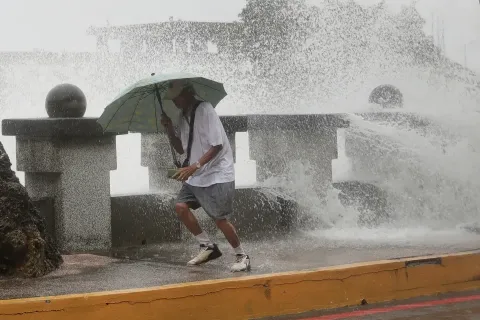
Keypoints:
(65, 101)
(387, 95)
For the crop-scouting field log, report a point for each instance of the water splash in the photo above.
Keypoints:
(430, 172)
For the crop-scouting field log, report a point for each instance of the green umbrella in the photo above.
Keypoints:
(138, 108)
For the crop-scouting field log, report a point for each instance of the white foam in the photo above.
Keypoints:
(412, 236)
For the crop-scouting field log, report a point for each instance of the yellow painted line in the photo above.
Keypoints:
(263, 295)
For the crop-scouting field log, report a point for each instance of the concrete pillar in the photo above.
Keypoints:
(157, 157)
(280, 142)
(181, 45)
(159, 45)
(69, 160)
(372, 155)
(102, 44)
(199, 45)
(233, 145)
(132, 46)
(232, 125)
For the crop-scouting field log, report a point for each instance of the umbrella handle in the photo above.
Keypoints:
(157, 93)
(172, 150)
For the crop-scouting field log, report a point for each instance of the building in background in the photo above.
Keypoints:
(171, 37)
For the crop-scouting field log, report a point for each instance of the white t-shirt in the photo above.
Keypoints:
(208, 131)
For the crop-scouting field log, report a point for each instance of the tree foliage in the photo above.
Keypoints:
(273, 26)
(313, 52)
(283, 28)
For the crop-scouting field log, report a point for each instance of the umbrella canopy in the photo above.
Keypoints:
(138, 108)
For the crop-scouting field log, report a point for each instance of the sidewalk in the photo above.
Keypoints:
(150, 266)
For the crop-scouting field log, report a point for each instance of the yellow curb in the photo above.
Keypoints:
(263, 295)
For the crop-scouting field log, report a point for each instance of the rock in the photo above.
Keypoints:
(370, 201)
(25, 248)
(473, 227)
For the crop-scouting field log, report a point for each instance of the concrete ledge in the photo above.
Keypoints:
(233, 124)
(144, 218)
(46, 209)
(401, 118)
(265, 295)
(301, 122)
(138, 219)
(59, 128)
(150, 218)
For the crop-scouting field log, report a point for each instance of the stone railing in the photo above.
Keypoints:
(67, 164)
(69, 160)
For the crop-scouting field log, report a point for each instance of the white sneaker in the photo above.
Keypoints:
(207, 253)
(242, 263)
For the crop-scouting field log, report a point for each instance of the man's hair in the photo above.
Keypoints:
(178, 87)
(188, 89)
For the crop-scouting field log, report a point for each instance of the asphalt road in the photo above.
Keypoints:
(458, 306)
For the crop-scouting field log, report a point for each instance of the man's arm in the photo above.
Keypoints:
(174, 140)
(209, 155)
(184, 173)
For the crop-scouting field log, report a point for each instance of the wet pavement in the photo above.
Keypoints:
(457, 306)
(149, 266)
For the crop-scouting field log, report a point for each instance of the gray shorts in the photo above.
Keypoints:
(216, 200)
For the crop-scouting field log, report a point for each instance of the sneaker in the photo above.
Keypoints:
(207, 253)
(242, 263)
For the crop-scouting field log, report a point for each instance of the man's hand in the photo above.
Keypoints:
(184, 173)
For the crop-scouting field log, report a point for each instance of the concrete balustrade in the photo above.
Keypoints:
(67, 163)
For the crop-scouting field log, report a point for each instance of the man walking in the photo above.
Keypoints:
(208, 174)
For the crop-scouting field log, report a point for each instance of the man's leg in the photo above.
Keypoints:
(242, 260)
(188, 219)
(208, 250)
(229, 231)
(217, 201)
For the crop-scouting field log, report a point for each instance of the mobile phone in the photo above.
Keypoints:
(171, 172)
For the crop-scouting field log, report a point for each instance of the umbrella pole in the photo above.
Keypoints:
(174, 155)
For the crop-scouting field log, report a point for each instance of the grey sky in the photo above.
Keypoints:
(61, 24)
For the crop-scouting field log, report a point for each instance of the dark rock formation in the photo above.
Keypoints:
(367, 198)
(25, 248)
(472, 227)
